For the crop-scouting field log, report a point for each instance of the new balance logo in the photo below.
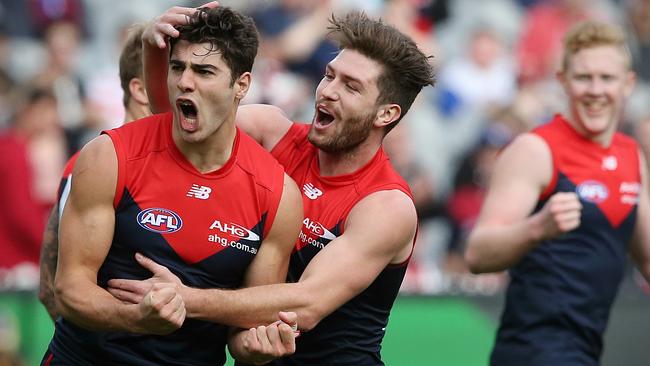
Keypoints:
(200, 192)
(311, 192)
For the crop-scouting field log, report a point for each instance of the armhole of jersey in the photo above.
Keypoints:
(63, 196)
(274, 202)
(550, 188)
(121, 166)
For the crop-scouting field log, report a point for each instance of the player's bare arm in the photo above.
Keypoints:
(263, 343)
(48, 258)
(506, 230)
(85, 236)
(640, 245)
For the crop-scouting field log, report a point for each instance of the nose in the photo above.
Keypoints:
(186, 81)
(596, 86)
(329, 89)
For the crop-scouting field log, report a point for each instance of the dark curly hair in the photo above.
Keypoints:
(406, 70)
(229, 32)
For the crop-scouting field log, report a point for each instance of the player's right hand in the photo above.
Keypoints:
(164, 26)
(162, 310)
(560, 214)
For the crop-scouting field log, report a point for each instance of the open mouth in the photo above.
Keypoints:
(323, 118)
(188, 114)
(187, 108)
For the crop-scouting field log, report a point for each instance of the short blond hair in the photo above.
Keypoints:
(591, 34)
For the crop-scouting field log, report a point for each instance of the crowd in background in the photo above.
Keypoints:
(495, 64)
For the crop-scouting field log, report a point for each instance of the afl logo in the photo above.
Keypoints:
(592, 191)
(160, 220)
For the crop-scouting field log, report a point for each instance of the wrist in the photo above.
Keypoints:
(535, 228)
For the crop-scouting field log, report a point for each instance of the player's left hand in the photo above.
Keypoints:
(133, 291)
(278, 339)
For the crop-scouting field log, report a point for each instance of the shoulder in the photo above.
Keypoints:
(258, 163)
(374, 207)
(625, 141)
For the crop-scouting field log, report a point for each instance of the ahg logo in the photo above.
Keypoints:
(160, 220)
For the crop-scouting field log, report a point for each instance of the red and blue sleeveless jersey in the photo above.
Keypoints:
(560, 294)
(352, 334)
(205, 227)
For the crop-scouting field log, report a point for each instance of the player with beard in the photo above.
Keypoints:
(188, 189)
(566, 204)
(360, 221)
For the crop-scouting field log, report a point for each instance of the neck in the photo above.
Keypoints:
(333, 164)
(603, 139)
(211, 153)
(136, 111)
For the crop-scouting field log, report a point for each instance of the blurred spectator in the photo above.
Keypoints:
(62, 43)
(539, 48)
(638, 14)
(33, 152)
(44, 13)
(482, 78)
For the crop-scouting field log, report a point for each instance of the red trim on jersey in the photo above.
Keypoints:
(121, 165)
(49, 359)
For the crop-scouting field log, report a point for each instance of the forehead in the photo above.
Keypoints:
(355, 65)
(198, 53)
(609, 59)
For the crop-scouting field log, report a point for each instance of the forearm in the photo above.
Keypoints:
(251, 307)
(155, 76)
(92, 307)
(494, 248)
(237, 348)
(48, 258)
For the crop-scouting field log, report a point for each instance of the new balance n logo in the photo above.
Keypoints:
(200, 192)
(311, 192)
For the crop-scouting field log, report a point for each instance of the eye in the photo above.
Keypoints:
(204, 72)
(328, 76)
(352, 87)
(175, 67)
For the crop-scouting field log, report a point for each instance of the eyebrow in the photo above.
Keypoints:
(194, 66)
(347, 77)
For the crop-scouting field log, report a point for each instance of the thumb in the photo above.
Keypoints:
(289, 317)
(149, 264)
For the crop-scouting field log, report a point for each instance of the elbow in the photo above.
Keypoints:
(309, 318)
(63, 297)
(472, 259)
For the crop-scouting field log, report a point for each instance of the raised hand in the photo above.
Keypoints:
(164, 26)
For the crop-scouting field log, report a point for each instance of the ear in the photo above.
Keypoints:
(138, 91)
(387, 114)
(630, 83)
(241, 85)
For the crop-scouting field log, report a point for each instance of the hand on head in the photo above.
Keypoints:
(164, 26)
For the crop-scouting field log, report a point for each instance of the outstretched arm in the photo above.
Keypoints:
(373, 238)
(505, 230)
